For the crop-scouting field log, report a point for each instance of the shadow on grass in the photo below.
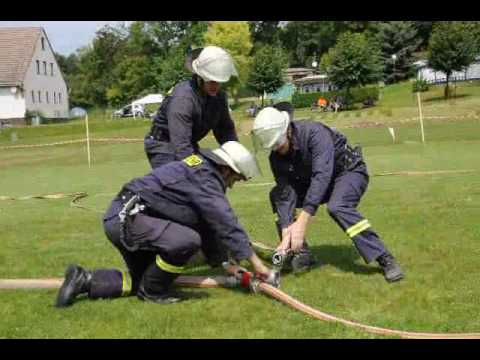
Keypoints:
(185, 294)
(342, 257)
(442, 98)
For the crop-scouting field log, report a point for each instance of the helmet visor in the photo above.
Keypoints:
(264, 139)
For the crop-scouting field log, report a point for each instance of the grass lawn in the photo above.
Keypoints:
(429, 222)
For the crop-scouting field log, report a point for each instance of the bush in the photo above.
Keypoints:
(419, 85)
(357, 95)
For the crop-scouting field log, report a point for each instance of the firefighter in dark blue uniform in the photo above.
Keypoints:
(159, 221)
(193, 108)
(313, 165)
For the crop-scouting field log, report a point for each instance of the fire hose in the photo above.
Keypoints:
(247, 280)
(256, 286)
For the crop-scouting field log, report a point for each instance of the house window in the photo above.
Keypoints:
(43, 43)
(33, 97)
(59, 97)
(54, 97)
(45, 68)
(51, 69)
(38, 67)
(46, 96)
(39, 96)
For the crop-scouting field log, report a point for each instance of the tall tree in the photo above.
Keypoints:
(233, 36)
(265, 32)
(354, 61)
(95, 67)
(169, 34)
(398, 41)
(171, 69)
(269, 62)
(306, 40)
(424, 30)
(452, 48)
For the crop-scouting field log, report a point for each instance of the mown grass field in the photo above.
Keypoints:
(430, 223)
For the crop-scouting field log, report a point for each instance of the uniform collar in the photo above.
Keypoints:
(295, 140)
(218, 175)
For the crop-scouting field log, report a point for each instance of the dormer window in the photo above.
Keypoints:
(43, 43)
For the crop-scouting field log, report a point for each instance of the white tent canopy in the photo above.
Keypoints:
(149, 99)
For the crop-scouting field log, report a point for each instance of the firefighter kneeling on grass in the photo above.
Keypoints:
(159, 221)
(313, 165)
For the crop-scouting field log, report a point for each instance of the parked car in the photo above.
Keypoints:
(130, 110)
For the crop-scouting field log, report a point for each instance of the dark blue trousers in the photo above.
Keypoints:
(342, 203)
(163, 246)
(158, 152)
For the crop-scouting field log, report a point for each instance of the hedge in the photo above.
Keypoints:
(357, 95)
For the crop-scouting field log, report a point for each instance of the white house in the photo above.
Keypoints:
(30, 78)
(472, 72)
(314, 83)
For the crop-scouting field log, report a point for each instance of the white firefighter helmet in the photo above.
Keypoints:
(214, 64)
(238, 158)
(269, 127)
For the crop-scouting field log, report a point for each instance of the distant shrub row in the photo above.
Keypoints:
(357, 95)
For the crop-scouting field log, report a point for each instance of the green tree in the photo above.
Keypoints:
(306, 41)
(171, 69)
(233, 36)
(133, 78)
(170, 34)
(265, 32)
(354, 61)
(95, 67)
(269, 63)
(424, 30)
(452, 47)
(398, 41)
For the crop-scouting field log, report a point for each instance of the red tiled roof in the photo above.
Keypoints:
(17, 45)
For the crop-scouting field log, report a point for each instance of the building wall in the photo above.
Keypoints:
(321, 86)
(45, 93)
(431, 76)
(12, 106)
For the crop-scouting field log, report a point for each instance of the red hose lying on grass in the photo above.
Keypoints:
(221, 281)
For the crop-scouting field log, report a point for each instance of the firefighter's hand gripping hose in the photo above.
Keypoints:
(239, 276)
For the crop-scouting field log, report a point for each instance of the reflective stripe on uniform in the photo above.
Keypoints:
(126, 283)
(358, 228)
(169, 267)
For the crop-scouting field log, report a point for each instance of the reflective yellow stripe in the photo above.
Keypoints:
(358, 228)
(354, 228)
(168, 267)
(126, 284)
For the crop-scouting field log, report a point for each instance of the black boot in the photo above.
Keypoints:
(303, 260)
(77, 281)
(390, 267)
(156, 287)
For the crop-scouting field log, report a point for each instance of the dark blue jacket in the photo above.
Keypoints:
(185, 117)
(316, 157)
(193, 193)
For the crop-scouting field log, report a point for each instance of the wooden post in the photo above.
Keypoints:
(88, 140)
(421, 116)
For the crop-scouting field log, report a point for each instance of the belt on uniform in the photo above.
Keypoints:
(131, 205)
(158, 134)
(352, 157)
